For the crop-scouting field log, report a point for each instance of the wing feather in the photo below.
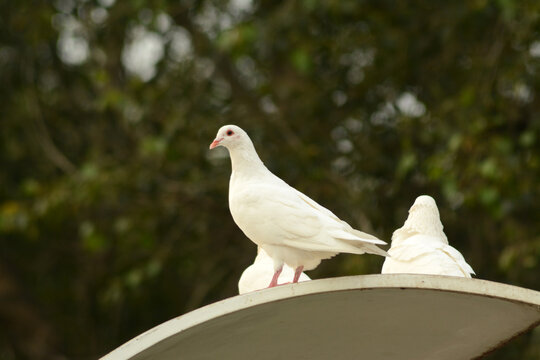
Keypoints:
(281, 215)
(428, 252)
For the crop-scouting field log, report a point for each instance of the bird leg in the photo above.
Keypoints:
(275, 277)
(297, 273)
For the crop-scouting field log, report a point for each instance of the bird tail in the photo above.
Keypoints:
(367, 237)
(355, 235)
(365, 247)
(374, 249)
(369, 243)
(358, 242)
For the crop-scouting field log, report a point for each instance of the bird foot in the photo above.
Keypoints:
(274, 285)
(275, 278)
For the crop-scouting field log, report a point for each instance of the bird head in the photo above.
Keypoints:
(424, 218)
(229, 136)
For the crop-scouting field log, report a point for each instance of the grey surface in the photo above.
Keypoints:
(369, 317)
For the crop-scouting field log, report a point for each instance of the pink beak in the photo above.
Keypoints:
(215, 143)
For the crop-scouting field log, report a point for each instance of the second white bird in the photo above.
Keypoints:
(420, 246)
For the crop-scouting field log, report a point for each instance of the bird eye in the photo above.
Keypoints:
(230, 132)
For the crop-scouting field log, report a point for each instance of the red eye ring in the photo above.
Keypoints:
(230, 132)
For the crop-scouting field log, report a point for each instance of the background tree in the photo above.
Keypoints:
(113, 214)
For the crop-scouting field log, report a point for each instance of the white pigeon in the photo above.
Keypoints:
(292, 228)
(259, 274)
(421, 247)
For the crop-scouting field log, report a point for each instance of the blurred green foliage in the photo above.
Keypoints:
(114, 215)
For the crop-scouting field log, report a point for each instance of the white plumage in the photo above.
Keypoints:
(259, 274)
(420, 246)
(292, 228)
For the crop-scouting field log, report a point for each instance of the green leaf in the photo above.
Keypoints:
(301, 60)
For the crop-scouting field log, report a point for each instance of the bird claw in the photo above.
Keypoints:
(274, 285)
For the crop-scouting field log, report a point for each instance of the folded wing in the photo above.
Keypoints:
(293, 219)
(426, 254)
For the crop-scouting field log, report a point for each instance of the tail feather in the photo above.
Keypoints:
(374, 249)
(365, 237)
(366, 247)
(355, 235)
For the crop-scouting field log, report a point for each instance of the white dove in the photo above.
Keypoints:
(259, 274)
(421, 247)
(292, 228)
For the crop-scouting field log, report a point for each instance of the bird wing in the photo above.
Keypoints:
(443, 256)
(284, 216)
(343, 230)
(414, 247)
(458, 259)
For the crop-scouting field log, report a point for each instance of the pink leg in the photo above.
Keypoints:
(297, 273)
(275, 277)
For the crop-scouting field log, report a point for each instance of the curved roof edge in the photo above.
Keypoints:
(359, 282)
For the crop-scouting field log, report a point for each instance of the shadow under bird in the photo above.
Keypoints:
(291, 227)
(420, 246)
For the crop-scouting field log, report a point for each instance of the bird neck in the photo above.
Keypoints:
(426, 223)
(400, 235)
(407, 231)
(244, 158)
